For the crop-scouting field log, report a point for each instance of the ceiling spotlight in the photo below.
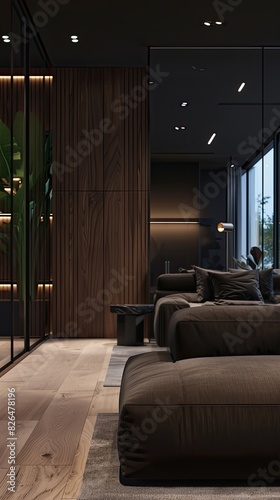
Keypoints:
(212, 138)
(183, 127)
(6, 40)
(232, 165)
(177, 128)
(183, 104)
(241, 87)
(151, 82)
(5, 36)
(212, 23)
(74, 37)
(75, 40)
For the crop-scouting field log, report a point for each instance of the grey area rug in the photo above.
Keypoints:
(119, 356)
(101, 481)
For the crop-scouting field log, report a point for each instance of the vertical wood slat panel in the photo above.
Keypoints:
(113, 142)
(92, 130)
(90, 264)
(81, 213)
(113, 255)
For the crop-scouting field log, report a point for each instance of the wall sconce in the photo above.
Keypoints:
(225, 227)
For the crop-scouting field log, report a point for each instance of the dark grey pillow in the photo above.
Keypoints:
(266, 283)
(204, 286)
(243, 285)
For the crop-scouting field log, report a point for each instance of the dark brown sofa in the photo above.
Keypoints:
(206, 418)
(178, 291)
(210, 408)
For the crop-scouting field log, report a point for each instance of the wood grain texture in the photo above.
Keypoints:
(90, 264)
(56, 437)
(76, 475)
(100, 226)
(52, 411)
(34, 482)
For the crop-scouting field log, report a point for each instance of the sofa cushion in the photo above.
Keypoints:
(266, 283)
(225, 330)
(206, 418)
(243, 285)
(164, 309)
(204, 286)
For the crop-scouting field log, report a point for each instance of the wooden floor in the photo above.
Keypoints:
(59, 392)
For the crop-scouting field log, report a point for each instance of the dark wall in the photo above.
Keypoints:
(213, 191)
(173, 188)
(187, 191)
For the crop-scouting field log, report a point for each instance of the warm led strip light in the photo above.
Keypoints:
(22, 77)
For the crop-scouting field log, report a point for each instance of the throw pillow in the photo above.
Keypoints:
(243, 285)
(266, 283)
(204, 286)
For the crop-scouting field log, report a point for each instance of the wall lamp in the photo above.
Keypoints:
(225, 227)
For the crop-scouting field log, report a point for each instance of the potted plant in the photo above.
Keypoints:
(13, 184)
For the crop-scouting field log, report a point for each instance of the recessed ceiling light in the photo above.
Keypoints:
(212, 138)
(213, 23)
(241, 87)
(6, 40)
(232, 165)
(184, 104)
(74, 37)
(5, 36)
(151, 82)
(183, 127)
(75, 40)
(177, 128)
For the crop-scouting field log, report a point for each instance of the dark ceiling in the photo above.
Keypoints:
(120, 33)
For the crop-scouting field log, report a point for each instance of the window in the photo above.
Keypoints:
(260, 220)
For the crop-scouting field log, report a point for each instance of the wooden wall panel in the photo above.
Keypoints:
(90, 264)
(65, 264)
(113, 255)
(90, 129)
(114, 111)
(100, 207)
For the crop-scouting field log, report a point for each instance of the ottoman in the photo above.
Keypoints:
(214, 418)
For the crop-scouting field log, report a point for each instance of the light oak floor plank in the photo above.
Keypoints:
(32, 482)
(59, 393)
(30, 405)
(76, 475)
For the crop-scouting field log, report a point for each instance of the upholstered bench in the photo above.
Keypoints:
(198, 419)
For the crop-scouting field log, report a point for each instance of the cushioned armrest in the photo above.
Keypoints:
(224, 331)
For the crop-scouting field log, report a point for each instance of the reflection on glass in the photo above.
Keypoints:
(268, 208)
(261, 206)
(243, 250)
